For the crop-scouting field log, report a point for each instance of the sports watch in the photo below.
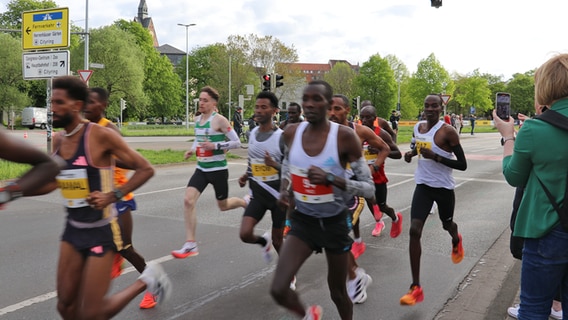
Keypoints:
(329, 178)
(118, 194)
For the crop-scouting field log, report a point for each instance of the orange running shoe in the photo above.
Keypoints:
(358, 248)
(116, 266)
(414, 296)
(287, 228)
(396, 227)
(149, 301)
(457, 251)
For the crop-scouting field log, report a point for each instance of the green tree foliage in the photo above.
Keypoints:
(521, 88)
(408, 108)
(376, 83)
(12, 17)
(341, 77)
(473, 90)
(123, 75)
(161, 85)
(12, 86)
(430, 77)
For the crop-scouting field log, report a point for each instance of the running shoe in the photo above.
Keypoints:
(266, 249)
(379, 226)
(556, 314)
(396, 227)
(189, 249)
(117, 262)
(513, 311)
(357, 288)
(414, 296)
(149, 301)
(157, 282)
(358, 248)
(457, 251)
(293, 284)
(313, 313)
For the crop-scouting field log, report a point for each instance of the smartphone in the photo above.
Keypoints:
(503, 105)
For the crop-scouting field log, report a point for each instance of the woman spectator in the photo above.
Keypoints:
(538, 158)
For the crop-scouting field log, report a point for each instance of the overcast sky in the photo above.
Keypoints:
(501, 37)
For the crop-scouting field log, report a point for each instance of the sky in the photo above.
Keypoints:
(499, 37)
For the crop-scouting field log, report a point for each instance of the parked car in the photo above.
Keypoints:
(34, 118)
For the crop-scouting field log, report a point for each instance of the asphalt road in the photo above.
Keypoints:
(229, 279)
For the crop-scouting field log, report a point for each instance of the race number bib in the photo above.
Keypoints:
(74, 185)
(369, 157)
(423, 144)
(307, 192)
(263, 172)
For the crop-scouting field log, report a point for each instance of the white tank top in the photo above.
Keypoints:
(319, 201)
(266, 176)
(430, 172)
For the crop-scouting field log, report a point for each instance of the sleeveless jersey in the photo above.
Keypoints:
(119, 173)
(319, 201)
(266, 176)
(209, 160)
(428, 171)
(379, 177)
(79, 178)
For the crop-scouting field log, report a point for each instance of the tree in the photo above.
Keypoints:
(341, 77)
(162, 86)
(123, 75)
(430, 77)
(402, 76)
(376, 83)
(474, 91)
(12, 87)
(12, 17)
(521, 88)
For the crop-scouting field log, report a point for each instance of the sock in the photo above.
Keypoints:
(358, 240)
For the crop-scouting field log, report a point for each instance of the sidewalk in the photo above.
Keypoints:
(490, 288)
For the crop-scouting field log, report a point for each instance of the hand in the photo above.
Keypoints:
(269, 161)
(243, 180)
(408, 156)
(317, 175)
(506, 128)
(427, 153)
(522, 117)
(208, 146)
(284, 200)
(100, 200)
(188, 154)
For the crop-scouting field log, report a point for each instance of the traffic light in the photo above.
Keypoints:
(266, 82)
(277, 79)
(436, 3)
(354, 103)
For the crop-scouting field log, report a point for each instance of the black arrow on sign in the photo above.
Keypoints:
(28, 30)
(62, 63)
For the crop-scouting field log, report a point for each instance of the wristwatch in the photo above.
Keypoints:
(118, 194)
(329, 178)
(503, 140)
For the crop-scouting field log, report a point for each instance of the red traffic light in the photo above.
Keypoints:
(266, 77)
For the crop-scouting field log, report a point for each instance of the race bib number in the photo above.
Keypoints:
(74, 185)
(263, 172)
(369, 157)
(307, 192)
(423, 144)
(201, 152)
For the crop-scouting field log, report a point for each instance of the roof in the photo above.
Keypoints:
(167, 49)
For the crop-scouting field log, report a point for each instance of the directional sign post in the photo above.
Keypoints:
(45, 29)
(45, 65)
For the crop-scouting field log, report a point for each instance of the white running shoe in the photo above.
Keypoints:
(157, 281)
(293, 284)
(268, 247)
(357, 288)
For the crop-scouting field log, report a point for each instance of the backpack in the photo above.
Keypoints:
(558, 120)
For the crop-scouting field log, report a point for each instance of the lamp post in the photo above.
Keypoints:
(186, 71)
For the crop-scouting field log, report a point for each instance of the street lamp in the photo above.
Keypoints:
(186, 71)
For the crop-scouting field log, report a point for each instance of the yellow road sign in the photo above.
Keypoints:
(45, 29)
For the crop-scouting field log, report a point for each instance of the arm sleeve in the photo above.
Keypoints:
(460, 163)
(363, 185)
(233, 143)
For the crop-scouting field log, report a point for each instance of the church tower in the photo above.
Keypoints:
(146, 21)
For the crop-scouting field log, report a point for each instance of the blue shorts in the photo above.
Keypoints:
(123, 206)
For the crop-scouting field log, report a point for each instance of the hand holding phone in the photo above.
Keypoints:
(503, 105)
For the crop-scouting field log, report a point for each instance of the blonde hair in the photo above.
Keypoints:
(551, 80)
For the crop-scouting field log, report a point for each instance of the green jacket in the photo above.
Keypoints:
(540, 150)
